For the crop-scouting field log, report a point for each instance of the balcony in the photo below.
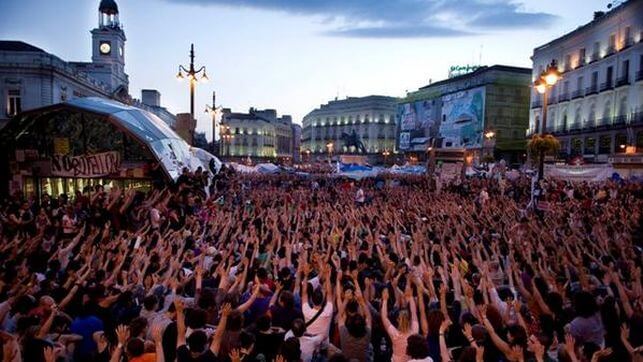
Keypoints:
(551, 99)
(537, 103)
(563, 97)
(581, 62)
(623, 80)
(606, 121)
(611, 50)
(607, 86)
(620, 120)
(637, 118)
(594, 57)
(639, 75)
(628, 43)
(575, 126)
(593, 89)
(577, 94)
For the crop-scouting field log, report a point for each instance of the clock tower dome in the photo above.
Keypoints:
(108, 47)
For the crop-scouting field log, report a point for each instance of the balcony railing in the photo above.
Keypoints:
(623, 80)
(607, 86)
(577, 94)
(611, 50)
(593, 89)
(591, 123)
(575, 126)
(628, 43)
(581, 62)
(606, 121)
(620, 119)
(536, 103)
(551, 99)
(563, 97)
(637, 118)
(594, 57)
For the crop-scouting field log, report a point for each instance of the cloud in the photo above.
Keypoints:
(397, 32)
(400, 18)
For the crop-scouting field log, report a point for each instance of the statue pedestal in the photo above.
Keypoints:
(355, 159)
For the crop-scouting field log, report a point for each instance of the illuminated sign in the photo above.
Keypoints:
(458, 70)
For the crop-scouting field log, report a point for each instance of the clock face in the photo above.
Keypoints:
(105, 48)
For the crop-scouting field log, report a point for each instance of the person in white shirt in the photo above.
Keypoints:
(321, 324)
(360, 197)
(309, 343)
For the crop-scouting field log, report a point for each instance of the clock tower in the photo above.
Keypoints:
(108, 48)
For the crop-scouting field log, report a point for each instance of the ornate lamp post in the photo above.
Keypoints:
(386, 153)
(543, 83)
(191, 74)
(214, 112)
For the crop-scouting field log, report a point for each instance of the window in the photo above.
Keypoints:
(627, 36)
(14, 102)
(594, 80)
(612, 44)
(568, 62)
(581, 56)
(579, 83)
(236, 130)
(625, 69)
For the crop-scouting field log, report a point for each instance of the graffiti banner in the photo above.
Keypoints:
(96, 165)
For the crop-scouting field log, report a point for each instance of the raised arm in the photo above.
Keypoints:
(215, 346)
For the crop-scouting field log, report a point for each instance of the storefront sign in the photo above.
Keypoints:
(96, 165)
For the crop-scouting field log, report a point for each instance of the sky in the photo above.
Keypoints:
(294, 55)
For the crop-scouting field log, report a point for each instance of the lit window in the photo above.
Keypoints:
(14, 102)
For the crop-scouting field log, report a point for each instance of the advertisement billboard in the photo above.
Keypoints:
(419, 121)
(462, 125)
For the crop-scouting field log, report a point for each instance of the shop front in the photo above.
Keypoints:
(86, 142)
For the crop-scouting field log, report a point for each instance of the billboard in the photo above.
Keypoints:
(463, 118)
(419, 120)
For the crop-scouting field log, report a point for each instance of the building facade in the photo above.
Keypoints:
(32, 78)
(370, 120)
(256, 134)
(456, 113)
(596, 108)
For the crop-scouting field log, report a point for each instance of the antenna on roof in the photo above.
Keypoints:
(480, 56)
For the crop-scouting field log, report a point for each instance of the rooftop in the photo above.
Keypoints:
(479, 71)
(595, 22)
(18, 46)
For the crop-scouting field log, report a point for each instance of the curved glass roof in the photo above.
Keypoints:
(168, 147)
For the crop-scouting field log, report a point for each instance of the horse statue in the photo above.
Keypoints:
(352, 140)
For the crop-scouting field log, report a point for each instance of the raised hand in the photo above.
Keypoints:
(122, 334)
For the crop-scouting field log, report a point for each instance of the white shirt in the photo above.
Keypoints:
(321, 326)
(308, 344)
(360, 196)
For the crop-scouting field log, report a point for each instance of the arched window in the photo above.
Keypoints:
(592, 115)
(622, 106)
(607, 111)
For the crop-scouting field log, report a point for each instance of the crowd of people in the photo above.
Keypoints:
(317, 268)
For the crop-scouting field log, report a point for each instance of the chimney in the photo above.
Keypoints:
(598, 14)
(151, 97)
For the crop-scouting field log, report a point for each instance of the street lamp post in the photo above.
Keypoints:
(214, 111)
(191, 74)
(543, 83)
(386, 153)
